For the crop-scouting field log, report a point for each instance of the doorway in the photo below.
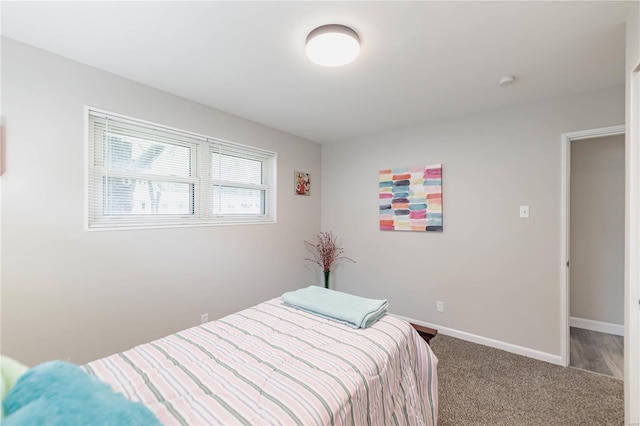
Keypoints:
(596, 247)
(589, 313)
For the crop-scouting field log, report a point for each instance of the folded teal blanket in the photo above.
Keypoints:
(59, 393)
(358, 312)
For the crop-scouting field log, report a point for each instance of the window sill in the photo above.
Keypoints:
(138, 226)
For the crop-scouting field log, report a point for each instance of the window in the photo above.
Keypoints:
(146, 175)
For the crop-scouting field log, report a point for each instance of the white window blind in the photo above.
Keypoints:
(146, 175)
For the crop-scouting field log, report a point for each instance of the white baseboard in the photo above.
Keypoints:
(474, 338)
(602, 327)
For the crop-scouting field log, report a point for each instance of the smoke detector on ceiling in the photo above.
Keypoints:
(506, 80)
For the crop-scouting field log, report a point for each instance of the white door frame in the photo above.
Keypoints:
(564, 226)
(632, 252)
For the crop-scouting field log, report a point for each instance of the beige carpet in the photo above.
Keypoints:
(479, 385)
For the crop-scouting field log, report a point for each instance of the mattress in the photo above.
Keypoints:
(274, 364)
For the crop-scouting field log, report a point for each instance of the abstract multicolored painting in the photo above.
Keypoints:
(411, 198)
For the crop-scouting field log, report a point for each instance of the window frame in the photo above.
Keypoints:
(201, 180)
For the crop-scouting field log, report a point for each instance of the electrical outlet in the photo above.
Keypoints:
(524, 212)
(440, 306)
(204, 318)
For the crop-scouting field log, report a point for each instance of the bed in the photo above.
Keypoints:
(274, 364)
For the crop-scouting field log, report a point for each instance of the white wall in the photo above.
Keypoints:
(597, 229)
(71, 293)
(497, 274)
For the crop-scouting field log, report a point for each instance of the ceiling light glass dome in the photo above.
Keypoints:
(333, 45)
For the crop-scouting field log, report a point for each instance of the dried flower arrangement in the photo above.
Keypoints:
(325, 253)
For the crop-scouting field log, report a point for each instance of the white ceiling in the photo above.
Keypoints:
(420, 61)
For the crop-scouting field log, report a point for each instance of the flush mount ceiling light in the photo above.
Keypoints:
(332, 45)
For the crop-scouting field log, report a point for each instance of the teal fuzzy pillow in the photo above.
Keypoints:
(10, 372)
(59, 393)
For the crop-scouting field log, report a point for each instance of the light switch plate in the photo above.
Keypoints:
(524, 212)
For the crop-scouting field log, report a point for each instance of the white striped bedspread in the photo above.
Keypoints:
(272, 364)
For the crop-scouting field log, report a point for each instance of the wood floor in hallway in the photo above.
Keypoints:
(598, 352)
